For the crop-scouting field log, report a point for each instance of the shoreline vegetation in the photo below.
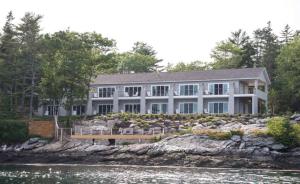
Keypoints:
(199, 141)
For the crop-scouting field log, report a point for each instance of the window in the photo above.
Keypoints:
(52, 110)
(160, 90)
(106, 92)
(105, 109)
(133, 91)
(188, 108)
(133, 108)
(159, 108)
(78, 110)
(217, 107)
(188, 90)
(218, 89)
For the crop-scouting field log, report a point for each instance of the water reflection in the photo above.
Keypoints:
(137, 174)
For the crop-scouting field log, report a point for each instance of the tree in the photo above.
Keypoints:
(242, 41)
(96, 50)
(8, 62)
(142, 58)
(72, 60)
(286, 34)
(266, 47)
(287, 79)
(192, 66)
(29, 35)
(226, 55)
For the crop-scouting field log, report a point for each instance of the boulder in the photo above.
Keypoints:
(295, 116)
(33, 140)
(236, 138)
(278, 147)
(197, 127)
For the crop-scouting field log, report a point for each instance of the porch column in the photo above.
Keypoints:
(115, 102)
(200, 98)
(89, 108)
(171, 100)
(143, 100)
(231, 99)
(266, 100)
(256, 84)
(254, 104)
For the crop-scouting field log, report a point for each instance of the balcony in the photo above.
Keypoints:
(129, 94)
(157, 94)
(186, 94)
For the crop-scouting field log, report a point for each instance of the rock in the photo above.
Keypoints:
(242, 145)
(3, 147)
(295, 116)
(236, 138)
(278, 147)
(111, 123)
(231, 126)
(33, 140)
(96, 148)
(297, 119)
(197, 127)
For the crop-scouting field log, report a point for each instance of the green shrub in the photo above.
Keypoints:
(259, 133)
(295, 134)
(237, 132)
(185, 131)
(13, 131)
(220, 135)
(155, 139)
(282, 131)
(214, 134)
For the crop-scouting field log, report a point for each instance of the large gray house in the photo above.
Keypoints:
(228, 91)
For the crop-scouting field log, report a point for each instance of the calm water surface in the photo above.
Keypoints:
(136, 174)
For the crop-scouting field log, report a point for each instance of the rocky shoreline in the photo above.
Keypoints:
(186, 150)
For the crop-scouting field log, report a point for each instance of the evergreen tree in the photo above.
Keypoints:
(192, 66)
(142, 58)
(286, 35)
(267, 47)
(9, 72)
(242, 41)
(226, 55)
(29, 35)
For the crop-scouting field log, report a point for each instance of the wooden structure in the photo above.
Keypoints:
(117, 136)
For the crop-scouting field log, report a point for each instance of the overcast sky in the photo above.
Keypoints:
(179, 30)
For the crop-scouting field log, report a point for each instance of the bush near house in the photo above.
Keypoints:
(284, 132)
(13, 131)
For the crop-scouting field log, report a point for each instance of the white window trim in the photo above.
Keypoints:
(194, 84)
(52, 110)
(213, 83)
(160, 103)
(217, 102)
(124, 87)
(105, 104)
(160, 85)
(80, 109)
(102, 87)
(131, 104)
(188, 103)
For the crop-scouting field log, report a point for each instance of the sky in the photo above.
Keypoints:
(179, 30)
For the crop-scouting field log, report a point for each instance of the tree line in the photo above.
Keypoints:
(58, 68)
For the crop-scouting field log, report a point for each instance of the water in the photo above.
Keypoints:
(136, 174)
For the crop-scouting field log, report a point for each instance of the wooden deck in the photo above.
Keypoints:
(116, 136)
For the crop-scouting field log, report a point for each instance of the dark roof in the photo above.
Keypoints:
(155, 77)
